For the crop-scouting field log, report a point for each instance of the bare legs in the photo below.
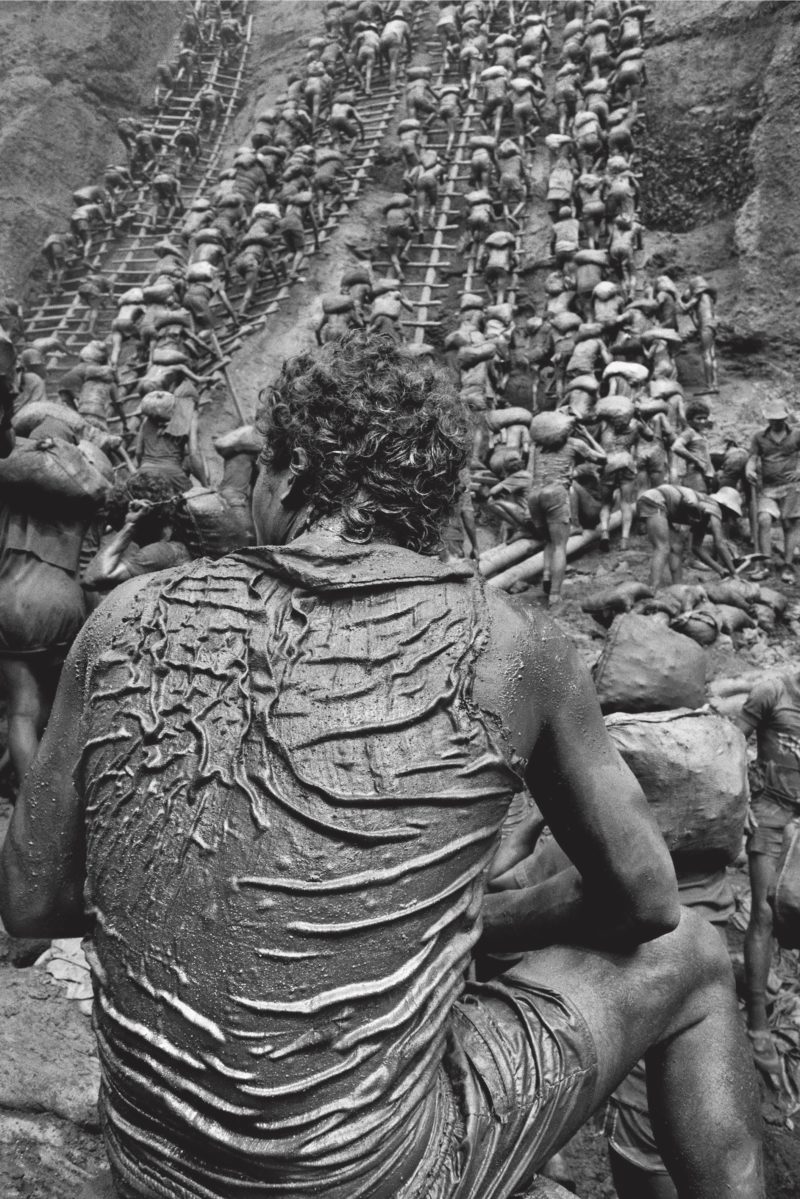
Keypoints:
(29, 690)
(673, 1001)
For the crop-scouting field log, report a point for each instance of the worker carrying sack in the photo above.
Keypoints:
(692, 767)
(645, 667)
(61, 472)
(786, 904)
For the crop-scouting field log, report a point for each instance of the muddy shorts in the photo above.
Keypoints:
(511, 188)
(548, 505)
(652, 457)
(397, 238)
(617, 475)
(520, 1073)
(627, 1124)
(781, 502)
(651, 503)
(772, 819)
(294, 239)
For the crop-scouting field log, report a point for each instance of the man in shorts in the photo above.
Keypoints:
(669, 511)
(772, 712)
(284, 878)
(549, 503)
(774, 468)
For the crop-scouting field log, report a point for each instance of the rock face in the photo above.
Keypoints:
(67, 73)
(721, 161)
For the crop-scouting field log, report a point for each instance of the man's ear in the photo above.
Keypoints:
(298, 466)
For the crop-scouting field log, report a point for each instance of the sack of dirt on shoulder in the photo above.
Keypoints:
(645, 667)
(549, 430)
(606, 604)
(692, 767)
(52, 470)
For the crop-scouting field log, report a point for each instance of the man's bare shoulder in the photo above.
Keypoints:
(525, 657)
(129, 601)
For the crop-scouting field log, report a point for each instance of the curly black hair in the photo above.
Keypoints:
(164, 494)
(384, 434)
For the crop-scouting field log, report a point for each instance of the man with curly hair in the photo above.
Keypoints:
(273, 791)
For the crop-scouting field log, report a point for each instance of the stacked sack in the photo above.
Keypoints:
(690, 762)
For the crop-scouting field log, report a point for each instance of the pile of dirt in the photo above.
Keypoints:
(68, 72)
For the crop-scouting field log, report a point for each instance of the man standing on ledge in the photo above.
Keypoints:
(272, 790)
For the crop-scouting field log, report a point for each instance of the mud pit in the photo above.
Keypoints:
(721, 159)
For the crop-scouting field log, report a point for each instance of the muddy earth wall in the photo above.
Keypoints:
(68, 72)
(721, 166)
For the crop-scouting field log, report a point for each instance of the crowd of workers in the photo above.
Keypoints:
(576, 410)
(597, 365)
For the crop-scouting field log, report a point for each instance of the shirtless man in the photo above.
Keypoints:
(367, 46)
(450, 112)
(317, 91)
(117, 181)
(773, 468)
(513, 184)
(212, 1008)
(344, 121)
(535, 37)
(624, 241)
(247, 266)
(189, 70)
(401, 223)
(125, 326)
(209, 102)
(548, 500)
(499, 260)
(339, 316)
(483, 161)
(230, 38)
(84, 222)
(394, 42)
(165, 82)
(187, 144)
(127, 128)
(479, 218)
(669, 511)
(772, 712)
(55, 250)
(165, 190)
(298, 210)
(147, 148)
(495, 95)
(421, 99)
(700, 302)
(425, 181)
(94, 290)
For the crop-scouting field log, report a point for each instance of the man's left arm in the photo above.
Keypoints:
(42, 864)
(621, 888)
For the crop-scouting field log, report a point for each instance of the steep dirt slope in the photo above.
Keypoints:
(67, 73)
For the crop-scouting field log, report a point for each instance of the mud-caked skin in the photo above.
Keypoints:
(273, 788)
(260, 795)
